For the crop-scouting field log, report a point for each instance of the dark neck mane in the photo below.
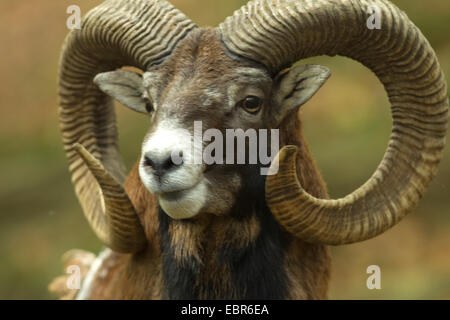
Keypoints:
(238, 256)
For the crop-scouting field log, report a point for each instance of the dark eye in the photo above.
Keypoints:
(252, 104)
(149, 107)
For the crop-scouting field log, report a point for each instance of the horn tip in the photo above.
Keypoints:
(77, 147)
(88, 158)
(81, 150)
(288, 151)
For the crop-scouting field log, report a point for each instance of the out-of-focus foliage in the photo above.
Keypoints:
(347, 125)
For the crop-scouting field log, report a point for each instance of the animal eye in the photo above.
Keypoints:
(252, 104)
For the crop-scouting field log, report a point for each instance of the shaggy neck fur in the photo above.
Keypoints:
(239, 256)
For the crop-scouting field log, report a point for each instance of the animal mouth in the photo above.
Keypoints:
(178, 194)
(186, 203)
(175, 195)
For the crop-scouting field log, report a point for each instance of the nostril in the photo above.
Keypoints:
(173, 161)
(162, 165)
(148, 162)
(167, 164)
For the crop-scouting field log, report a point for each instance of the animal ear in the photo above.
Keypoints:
(124, 86)
(294, 87)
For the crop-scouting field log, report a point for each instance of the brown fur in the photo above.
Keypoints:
(307, 266)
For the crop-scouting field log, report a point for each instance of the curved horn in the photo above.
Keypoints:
(278, 33)
(117, 33)
(119, 226)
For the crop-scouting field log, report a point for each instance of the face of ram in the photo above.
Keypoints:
(232, 77)
(201, 88)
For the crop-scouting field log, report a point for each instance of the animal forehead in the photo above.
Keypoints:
(203, 55)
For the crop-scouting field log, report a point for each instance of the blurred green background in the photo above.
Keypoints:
(347, 125)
